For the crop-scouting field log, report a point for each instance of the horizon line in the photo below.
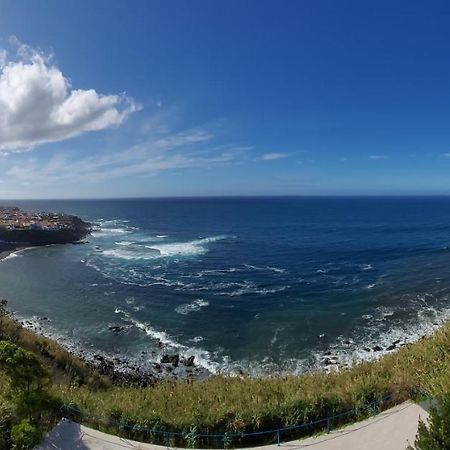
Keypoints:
(237, 196)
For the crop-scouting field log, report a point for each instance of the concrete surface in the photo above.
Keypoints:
(393, 429)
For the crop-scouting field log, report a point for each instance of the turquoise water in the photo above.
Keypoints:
(258, 285)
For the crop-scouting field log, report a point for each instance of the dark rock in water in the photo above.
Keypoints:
(328, 353)
(190, 361)
(391, 347)
(367, 349)
(116, 329)
(43, 318)
(170, 359)
(377, 348)
(329, 362)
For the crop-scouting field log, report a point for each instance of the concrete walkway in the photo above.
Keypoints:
(393, 429)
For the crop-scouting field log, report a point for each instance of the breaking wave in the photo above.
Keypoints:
(202, 357)
(153, 251)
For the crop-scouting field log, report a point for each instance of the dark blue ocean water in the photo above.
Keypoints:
(258, 284)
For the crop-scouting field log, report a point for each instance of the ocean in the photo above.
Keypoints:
(246, 285)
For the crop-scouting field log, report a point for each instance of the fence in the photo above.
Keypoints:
(194, 439)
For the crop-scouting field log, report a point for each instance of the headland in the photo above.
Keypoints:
(20, 228)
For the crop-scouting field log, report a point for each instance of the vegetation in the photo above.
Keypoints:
(26, 407)
(29, 364)
(435, 436)
(239, 405)
(37, 376)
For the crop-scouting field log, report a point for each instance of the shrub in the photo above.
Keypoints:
(437, 435)
(24, 435)
(6, 419)
(22, 367)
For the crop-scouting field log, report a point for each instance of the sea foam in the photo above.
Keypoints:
(188, 308)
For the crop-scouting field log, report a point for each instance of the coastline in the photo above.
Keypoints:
(121, 369)
(271, 402)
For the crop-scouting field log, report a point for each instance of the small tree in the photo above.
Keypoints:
(435, 436)
(24, 435)
(22, 367)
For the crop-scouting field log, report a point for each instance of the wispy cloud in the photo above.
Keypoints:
(273, 156)
(181, 150)
(39, 105)
(377, 157)
(445, 155)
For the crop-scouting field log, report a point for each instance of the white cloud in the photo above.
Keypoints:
(38, 104)
(377, 157)
(273, 156)
(446, 155)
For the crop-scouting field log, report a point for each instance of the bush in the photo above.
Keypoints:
(22, 367)
(6, 420)
(24, 435)
(437, 435)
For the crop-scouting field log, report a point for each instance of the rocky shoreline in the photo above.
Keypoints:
(144, 370)
(120, 369)
(330, 361)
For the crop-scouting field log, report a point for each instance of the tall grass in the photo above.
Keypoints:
(222, 404)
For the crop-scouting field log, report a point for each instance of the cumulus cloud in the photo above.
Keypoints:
(273, 156)
(39, 105)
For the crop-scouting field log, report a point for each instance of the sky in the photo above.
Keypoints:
(147, 98)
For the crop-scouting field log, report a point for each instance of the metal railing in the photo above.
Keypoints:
(193, 439)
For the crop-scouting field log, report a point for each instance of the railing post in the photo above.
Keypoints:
(166, 440)
(278, 438)
(328, 424)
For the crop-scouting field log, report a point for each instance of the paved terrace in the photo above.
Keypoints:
(393, 429)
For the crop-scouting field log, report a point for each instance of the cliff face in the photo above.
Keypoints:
(42, 237)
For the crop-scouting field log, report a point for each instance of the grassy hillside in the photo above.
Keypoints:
(233, 405)
(29, 365)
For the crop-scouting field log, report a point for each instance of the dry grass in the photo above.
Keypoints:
(222, 404)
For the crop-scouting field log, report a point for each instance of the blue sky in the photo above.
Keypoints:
(166, 98)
